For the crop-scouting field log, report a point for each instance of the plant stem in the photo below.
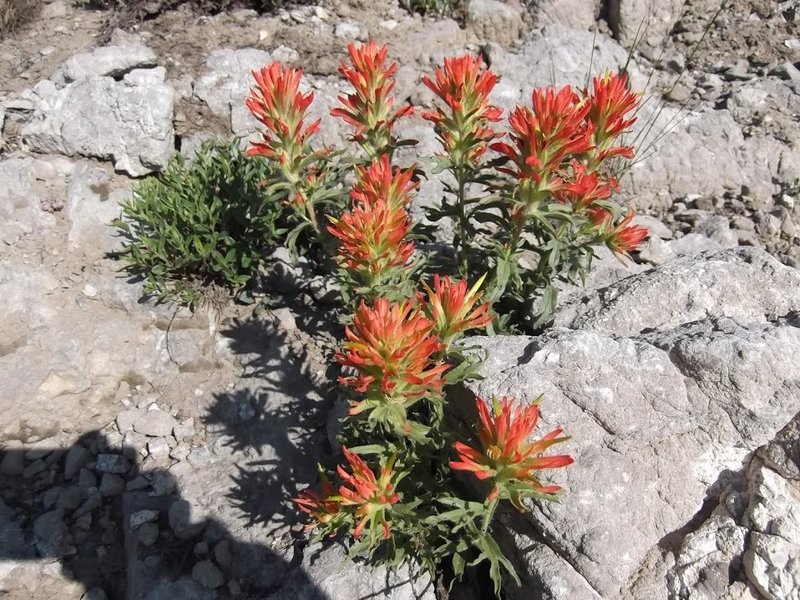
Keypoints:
(490, 514)
(462, 225)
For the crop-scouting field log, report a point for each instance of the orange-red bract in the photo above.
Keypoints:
(371, 237)
(585, 188)
(452, 307)
(464, 88)
(321, 507)
(624, 237)
(371, 495)
(371, 108)
(276, 101)
(393, 348)
(506, 451)
(553, 130)
(610, 106)
(379, 181)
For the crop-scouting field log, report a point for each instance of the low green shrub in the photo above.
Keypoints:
(436, 7)
(200, 224)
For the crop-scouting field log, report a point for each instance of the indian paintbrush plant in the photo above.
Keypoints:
(527, 205)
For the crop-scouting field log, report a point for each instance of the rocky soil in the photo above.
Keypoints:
(147, 452)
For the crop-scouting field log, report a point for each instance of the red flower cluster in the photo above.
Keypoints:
(367, 496)
(557, 148)
(278, 104)
(452, 308)
(371, 240)
(555, 129)
(610, 104)
(379, 181)
(623, 237)
(393, 347)
(507, 455)
(585, 188)
(464, 130)
(322, 508)
(372, 235)
(371, 108)
(371, 496)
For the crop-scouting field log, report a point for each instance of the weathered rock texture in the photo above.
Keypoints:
(665, 400)
(109, 108)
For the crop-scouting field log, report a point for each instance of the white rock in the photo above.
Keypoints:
(136, 134)
(112, 61)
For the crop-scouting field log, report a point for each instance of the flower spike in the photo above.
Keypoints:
(276, 101)
(393, 348)
(453, 308)
(464, 130)
(379, 181)
(507, 455)
(370, 109)
(611, 103)
(372, 496)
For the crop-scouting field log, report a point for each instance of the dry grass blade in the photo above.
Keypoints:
(646, 135)
(16, 13)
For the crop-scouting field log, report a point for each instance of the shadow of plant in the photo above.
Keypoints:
(276, 416)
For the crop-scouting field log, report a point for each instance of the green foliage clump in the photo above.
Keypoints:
(455, 8)
(205, 223)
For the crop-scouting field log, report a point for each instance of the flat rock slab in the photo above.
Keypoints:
(327, 573)
(155, 423)
(741, 283)
(112, 61)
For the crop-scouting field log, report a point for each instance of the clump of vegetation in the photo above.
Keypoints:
(454, 8)
(15, 13)
(206, 223)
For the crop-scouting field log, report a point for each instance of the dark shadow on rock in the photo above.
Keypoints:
(125, 531)
(278, 414)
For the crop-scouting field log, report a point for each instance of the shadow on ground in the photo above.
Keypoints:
(86, 514)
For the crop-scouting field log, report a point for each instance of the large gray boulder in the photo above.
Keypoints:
(741, 283)
(701, 152)
(664, 411)
(127, 121)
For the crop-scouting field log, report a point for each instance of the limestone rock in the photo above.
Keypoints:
(155, 423)
(92, 203)
(112, 61)
(555, 55)
(495, 20)
(741, 283)
(327, 573)
(207, 574)
(51, 535)
(228, 79)
(663, 407)
(103, 118)
(652, 20)
(578, 14)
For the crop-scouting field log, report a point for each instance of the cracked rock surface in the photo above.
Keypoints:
(665, 415)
